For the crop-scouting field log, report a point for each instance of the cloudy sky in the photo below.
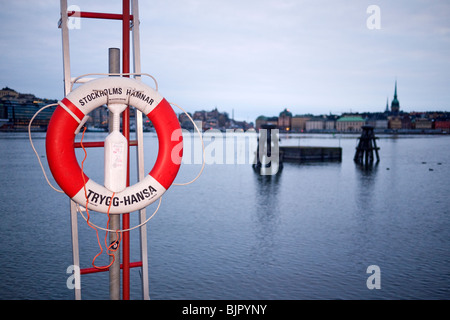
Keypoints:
(252, 57)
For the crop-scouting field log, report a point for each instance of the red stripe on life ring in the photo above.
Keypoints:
(165, 122)
(73, 108)
(61, 154)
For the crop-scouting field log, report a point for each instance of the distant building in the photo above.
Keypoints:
(265, 120)
(381, 124)
(298, 123)
(350, 123)
(260, 121)
(378, 121)
(422, 124)
(330, 122)
(394, 122)
(315, 124)
(442, 124)
(8, 92)
(199, 115)
(406, 122)
(284, 120)
(17, 109)
(99, 117)
(185, 122)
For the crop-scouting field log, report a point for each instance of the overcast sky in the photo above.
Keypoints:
(255, 57)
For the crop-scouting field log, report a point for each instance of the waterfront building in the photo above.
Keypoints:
(315, 124)
(284, 120)
(199, 118)
(8, 92)
(298, 122)
(378, 121)
(423, 124)
(381, 124)
(406, 122)
(98, 118)
(442, 124)
(17, 109)
(272, 121)
(330, 122)
(185, 122)
(211, 123)
(350, 123)
(394, 122)
(262, 120)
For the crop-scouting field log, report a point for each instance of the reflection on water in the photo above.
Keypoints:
(309, 232)
(366, 176)
(267, 214)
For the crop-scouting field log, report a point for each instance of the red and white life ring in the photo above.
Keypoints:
(61, 136)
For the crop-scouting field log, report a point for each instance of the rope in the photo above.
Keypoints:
(203, 147)
(34, 149)
(109, 248)
(113, 74)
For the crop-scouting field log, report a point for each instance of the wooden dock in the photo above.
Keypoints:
(308, 154)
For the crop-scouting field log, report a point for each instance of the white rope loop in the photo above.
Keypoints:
(113, 74)
(203, 147)
(34, 149)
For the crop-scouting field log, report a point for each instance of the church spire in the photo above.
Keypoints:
(395, 92)
(395, 104)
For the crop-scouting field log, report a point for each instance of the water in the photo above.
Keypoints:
(308, 233)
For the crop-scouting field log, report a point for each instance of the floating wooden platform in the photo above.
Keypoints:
(306, 154)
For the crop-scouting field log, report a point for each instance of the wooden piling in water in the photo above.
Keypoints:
(366, 146)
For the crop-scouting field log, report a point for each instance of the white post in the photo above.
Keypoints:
(67, 84)
(140, 151)
(65, 45)
(75, 248)
(114, 269)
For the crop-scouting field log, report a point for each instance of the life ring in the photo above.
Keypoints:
(61, 137)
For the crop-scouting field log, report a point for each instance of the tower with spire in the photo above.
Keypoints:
(395, 104)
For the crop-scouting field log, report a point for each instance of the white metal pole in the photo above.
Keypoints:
(67, 84)
(140, 152)
(75, 249)
(114, 269)
(65, 46)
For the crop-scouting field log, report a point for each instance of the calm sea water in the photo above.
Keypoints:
(309, 232)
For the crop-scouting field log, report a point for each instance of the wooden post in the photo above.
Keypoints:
(366, 146)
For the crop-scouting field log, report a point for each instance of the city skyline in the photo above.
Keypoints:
(222, 119)
(250, 57)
